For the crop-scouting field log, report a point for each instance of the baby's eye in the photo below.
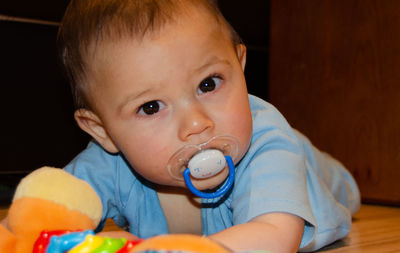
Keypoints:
(209, 84)
(151, 107)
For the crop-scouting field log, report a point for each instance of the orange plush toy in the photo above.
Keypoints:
(48, 199)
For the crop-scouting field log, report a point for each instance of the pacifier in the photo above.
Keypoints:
(205, 160)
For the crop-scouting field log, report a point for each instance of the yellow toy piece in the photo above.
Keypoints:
(91, 242)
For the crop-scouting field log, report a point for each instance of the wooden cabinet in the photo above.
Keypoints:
(335, 75)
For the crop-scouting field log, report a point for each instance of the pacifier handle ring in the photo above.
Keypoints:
(221, 191)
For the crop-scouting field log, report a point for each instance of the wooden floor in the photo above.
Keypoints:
(375, 229)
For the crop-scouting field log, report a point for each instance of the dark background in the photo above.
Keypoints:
(37, 125)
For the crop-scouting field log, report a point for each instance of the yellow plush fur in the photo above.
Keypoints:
(63, 188)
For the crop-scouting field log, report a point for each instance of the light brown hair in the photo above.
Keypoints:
(88, 22)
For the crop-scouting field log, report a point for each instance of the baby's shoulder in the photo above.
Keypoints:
(100, 168)
(266, 117)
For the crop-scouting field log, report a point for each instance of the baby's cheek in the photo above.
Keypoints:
(146, 149)
(241, 126)
(150, 160)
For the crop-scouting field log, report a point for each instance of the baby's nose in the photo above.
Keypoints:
(195, 122)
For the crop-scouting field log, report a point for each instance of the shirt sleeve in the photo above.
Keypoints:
(101, 170)
(273, 179)
(272, 176)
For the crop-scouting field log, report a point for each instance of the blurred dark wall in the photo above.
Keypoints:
(251, 20)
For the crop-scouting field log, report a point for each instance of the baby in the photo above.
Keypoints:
(154, 82)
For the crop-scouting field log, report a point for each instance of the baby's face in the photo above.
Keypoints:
(180, 86)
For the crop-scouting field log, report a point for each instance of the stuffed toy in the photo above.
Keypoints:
(48, 199)
(55, 212)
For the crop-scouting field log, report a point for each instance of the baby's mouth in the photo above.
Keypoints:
(204, 161)
(179, 162)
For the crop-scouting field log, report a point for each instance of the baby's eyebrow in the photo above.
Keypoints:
(212, 61)
(132, 97)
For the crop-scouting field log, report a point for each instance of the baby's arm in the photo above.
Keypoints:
(276, 232)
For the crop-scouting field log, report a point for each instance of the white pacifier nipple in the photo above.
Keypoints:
(207, 163)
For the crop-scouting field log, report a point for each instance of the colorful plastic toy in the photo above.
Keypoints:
(87, 242)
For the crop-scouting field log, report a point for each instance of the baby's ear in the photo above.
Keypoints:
(241, 52)
(89, 122)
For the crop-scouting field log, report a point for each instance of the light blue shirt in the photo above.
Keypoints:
(281, 172)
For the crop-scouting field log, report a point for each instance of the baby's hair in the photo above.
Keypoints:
(88, 22)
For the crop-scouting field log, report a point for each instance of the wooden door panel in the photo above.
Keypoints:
(335, 73)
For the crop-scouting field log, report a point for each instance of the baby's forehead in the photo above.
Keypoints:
(181, 20)
(173, 52)
(149, 26)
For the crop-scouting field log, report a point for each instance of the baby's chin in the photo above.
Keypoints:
(211, 182)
